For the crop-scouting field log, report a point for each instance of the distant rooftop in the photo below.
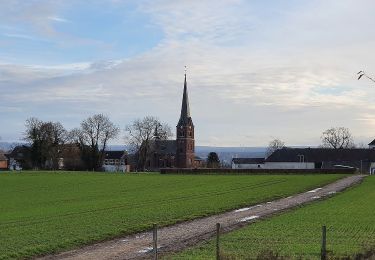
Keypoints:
(248, 160)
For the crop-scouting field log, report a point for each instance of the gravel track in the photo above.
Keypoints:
(177, 237)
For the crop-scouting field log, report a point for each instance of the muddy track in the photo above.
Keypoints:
(177, 237)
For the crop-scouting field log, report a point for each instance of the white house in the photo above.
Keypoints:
(115, 161)
(247, 163)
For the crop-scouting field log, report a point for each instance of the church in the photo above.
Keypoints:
(177, 153)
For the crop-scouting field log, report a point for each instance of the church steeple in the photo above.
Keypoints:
(185, 134)
(185, 108)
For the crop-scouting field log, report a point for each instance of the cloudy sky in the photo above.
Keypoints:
(256, 69)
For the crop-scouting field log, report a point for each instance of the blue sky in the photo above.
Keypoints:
(78, 32)
(256, 69)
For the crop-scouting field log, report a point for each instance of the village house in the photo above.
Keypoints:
(3, 161)
(115, 161)
(19, 158)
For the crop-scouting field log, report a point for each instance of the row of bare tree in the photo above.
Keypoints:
(48, 141)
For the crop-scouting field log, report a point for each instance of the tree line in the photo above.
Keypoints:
(83, 148)
(334, 138)
(48, 141)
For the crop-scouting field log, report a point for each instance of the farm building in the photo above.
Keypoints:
(312, 158)
(247, 163)
(322, 158)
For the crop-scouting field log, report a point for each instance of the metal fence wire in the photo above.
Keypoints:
(321, 243)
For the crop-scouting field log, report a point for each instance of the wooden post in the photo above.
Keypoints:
(155, 238)
(323, 254)
(217, 241)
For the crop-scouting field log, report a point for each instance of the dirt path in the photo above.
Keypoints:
(179, 236)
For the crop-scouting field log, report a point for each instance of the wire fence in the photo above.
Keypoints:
(320, 246)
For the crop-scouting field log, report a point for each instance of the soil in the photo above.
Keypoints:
(177, 237)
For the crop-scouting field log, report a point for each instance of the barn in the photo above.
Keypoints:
(322, 158)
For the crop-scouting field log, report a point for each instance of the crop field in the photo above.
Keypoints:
(49, 212)
(349, 217)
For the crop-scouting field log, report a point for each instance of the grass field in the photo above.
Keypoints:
(349, 217)
(49, 212)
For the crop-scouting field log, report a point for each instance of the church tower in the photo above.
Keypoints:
(185, 134)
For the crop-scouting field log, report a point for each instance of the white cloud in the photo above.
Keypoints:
(250, 73)
(58, 19)
(21, 36)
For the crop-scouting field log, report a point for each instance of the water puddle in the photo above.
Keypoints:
(248, 208)
(146, 250)
(248, 218)
(312, 191)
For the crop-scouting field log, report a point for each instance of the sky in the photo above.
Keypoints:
(256, 70)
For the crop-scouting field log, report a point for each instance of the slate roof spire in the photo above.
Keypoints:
(185, 108)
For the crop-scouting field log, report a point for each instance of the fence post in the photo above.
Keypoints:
(323, 253)
(155, 238)
(217, 241)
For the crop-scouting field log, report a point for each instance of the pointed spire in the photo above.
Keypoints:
(185, 109)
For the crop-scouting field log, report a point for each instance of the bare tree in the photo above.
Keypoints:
(362, 73)
(46, 140)
(93, 137)
(141, 132)
(337, 138)
(274, 145)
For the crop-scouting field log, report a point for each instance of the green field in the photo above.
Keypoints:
(49, 212)
(349, 217)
